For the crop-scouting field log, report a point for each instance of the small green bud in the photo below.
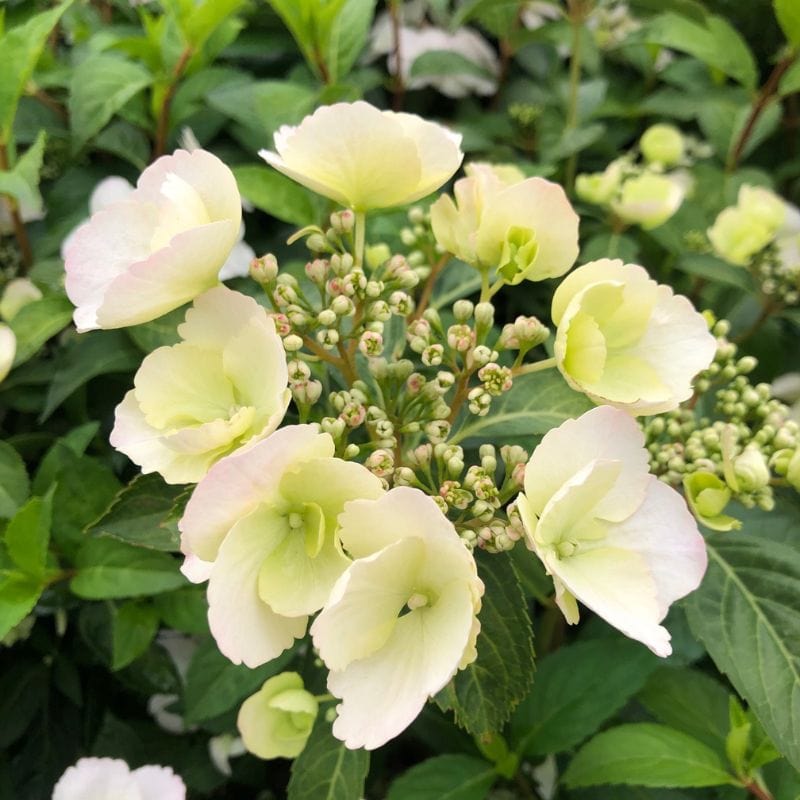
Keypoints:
(662, 144)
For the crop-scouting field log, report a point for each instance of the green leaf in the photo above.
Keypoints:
(790, 82)
(141, 514)
(326, 769)
(484, 694)
(92, 354)
(348, 35)
(788, 14)
(446, 62)
(689, 701)
(745, 612)
(22, 182)
(134, 627)
(20, 49)
(714, 41)
(577, 689)
(37, 322)
(534, 404)
(447, 777)
(204, 18)
(18, 596)
(161, 332)
(214, 685)
(71, 444)
(28, 535)
(107, 568)
(278, 195)
(14, 483)
(646, 754)
(184, 610)
(263, 106)
(101, 85)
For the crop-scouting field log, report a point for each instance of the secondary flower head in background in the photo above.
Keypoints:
(112, 779)
(384, 663)
(526, 228)
(157, 248)
(365, 158)
(626, 340)
(481, 68)
(18, 293)
(277, 720)
(741, 231)
(662, 144)
(650, 199)
(222, 387)
(611, 535)
(261, 527)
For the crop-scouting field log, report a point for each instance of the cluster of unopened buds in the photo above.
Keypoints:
(739, 455)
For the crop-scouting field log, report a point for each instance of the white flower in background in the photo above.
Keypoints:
(276, 721)
(222, 748)
(401, 620)
(526, 229)
(181, 648)
(601, 187)
(786, 387)
(261, 527)
(156, 248)
(611, 535)
(222, 387)
(536, 13)
(365, 158)
(8, 350)
(626, 340)
(112, 779)
(416, 42)
(18, 293)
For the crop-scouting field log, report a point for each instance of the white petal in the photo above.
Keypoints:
(97, 779)
(235, 485)
(245, 628)
(604, 433)
(159, 783)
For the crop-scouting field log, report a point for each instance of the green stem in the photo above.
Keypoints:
(324, 698)
(537, 366)
(361, 233)
(576, 21)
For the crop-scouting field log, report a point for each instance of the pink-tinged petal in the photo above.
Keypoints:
(159, 783)
(195, 569)
(113, 189)
(218, 315)
(603, 433)
(246, 629)
(101, 250)
(170, 277)
(235, 485)
(383, 693)
(97, 779)
(205, 173)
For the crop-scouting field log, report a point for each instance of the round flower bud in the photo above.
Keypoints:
(462, 310)
(292, 343)
(662, 144)
(751, 470)
(277, 720)
(326, 317)
(265, 269)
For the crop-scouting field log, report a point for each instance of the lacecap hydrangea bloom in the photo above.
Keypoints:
(112, 779)
(157, 248)
(276, 721)
(365, 158)
(611, 535)
(626, 340)
(222, 387)
(523, 227)
(262, 528)
(401, 620)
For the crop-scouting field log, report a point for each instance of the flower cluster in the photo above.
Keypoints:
(643, 193)
(354, 517)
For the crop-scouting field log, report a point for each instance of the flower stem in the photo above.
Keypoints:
(398, 89)
(162, 124)
(576, 18)
(537, 366)
(361, 233)
(20, 231)
(427, 289)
